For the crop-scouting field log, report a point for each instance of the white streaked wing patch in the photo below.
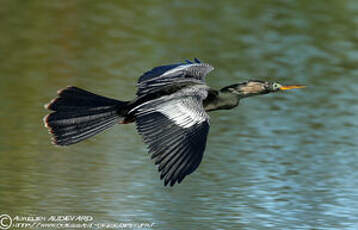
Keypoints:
(182, 114)
(197, 70)
(183, 74)
(176, 69)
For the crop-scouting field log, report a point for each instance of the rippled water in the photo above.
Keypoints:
(282, 161)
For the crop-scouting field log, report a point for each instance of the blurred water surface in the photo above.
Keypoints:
(281, 161)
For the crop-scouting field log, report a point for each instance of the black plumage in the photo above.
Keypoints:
(177, 151)
(170, 112)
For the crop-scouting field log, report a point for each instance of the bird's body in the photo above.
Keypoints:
(170, 112)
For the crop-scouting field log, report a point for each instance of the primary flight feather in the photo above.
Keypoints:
(170, 112)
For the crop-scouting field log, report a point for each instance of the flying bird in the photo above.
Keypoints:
(170, 111)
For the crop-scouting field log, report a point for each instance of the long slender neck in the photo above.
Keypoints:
(218, 100)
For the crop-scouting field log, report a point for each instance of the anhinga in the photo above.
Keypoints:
(170, 112)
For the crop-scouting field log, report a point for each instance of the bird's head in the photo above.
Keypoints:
(255, 87)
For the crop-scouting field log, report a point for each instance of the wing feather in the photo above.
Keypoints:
(175, 128)
(179, 74)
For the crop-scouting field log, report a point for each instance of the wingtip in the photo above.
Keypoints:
(211, 68)
(168, 181)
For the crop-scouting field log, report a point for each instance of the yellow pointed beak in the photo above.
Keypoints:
(287, 87)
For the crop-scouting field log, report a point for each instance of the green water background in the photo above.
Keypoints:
(281, 161)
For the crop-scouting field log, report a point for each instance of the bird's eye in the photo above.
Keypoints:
(276, 86)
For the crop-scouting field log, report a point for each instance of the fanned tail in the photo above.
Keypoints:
(79, 114)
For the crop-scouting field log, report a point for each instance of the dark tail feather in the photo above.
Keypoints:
(79, 114)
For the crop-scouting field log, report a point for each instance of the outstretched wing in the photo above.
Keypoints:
(176, 74)
(159, 70)
(175, 128)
